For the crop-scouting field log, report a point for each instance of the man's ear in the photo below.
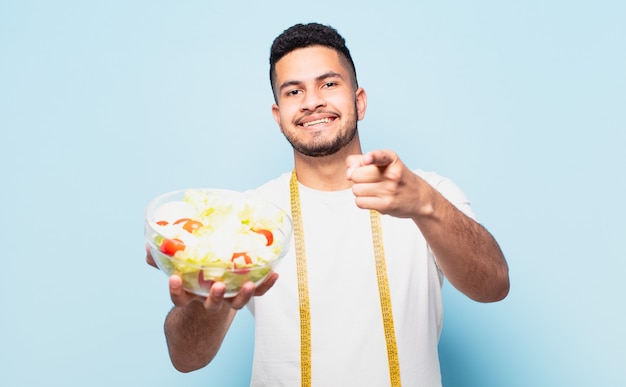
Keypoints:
(276, 114)
(361, 103)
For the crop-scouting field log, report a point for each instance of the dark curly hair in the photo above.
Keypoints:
(306, 35)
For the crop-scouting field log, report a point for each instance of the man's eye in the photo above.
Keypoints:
(293, 92)
(330, 84)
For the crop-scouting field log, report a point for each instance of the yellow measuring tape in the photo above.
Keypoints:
(303, 291)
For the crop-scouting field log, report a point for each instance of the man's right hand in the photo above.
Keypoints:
(215, 300)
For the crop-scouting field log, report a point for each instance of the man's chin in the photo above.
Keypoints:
(317, 152)
(320, 148)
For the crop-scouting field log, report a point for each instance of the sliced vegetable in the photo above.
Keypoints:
(202, 282)
(241, 259)
(268, 235)
(240, 262)
(189, 225)
(171, 246)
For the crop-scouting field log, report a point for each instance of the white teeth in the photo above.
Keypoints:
(320, 121)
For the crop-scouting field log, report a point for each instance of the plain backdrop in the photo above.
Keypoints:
(106, 104)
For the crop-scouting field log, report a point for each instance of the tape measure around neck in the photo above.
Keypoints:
(303, 290)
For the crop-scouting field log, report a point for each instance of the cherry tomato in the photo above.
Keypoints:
(268, 235)
(190, 224)
(171, 246)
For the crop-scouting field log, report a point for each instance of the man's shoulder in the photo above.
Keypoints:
(432, 178)
(448, 189)
(276, 183)
(275, 190)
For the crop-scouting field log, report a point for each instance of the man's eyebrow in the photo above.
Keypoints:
(289, 83)
(330, 74)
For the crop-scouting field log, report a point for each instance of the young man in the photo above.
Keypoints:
(358, 302)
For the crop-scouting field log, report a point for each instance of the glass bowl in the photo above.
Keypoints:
(209, 235)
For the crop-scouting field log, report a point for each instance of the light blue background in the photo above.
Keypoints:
(104, 105)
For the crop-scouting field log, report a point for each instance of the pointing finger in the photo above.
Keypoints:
(381, 158)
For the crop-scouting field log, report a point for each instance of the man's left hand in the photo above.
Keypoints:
(383, 183)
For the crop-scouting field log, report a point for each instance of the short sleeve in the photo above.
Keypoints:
(449, 190)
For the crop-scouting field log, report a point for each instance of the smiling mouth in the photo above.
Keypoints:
(317, 122)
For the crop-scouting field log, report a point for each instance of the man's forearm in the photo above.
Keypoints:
(467, 253)
(194, 335)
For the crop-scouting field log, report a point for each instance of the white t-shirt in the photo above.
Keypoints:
(348, 344)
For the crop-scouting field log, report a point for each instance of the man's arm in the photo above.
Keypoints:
(196, 326)
(194, 333)
(467, 253)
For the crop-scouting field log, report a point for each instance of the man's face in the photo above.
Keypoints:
(318, 104)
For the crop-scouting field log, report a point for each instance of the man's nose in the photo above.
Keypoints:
(312, 100)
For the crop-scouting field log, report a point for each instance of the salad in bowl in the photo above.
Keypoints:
(211, 235)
